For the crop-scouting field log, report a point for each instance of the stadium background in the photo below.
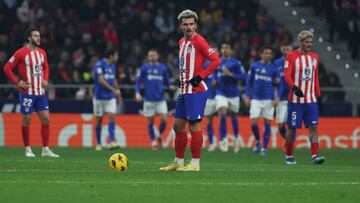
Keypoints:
(76, 33)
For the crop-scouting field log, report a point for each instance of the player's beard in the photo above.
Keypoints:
(35, 43)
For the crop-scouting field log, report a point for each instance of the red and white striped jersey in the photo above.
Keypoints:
(192, 56)
(32, 68)
(301, 70)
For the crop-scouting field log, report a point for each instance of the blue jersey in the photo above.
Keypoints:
(260, 82)
(228, 86)
(154, 78)
(108, 72)
(283, 87)
(208, 80)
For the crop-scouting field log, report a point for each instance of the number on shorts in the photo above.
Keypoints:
(27, 102)
(293, 116)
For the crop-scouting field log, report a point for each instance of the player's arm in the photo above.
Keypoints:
(288, 70)
(214, 59)
(102, 81)
(317, 82)
(45, 71)
(138, 82)
(238, 74)
(276, 80)
(8, 69)
(248, 86)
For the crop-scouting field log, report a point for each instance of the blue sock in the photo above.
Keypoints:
(235, 125)
(151, 131)
(222, 127)
(282, 131)
(255, 129)
(98, 134)
(111, 131)
(266, 135)
(162, 127)
(210, 132)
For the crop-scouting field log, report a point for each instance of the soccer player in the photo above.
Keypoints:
(281, 108)
(154, 76)
(210, 108)
(301, 75)
(106, 95)
(261, 88)
(193, 51)
(228, 75)
(33, 69)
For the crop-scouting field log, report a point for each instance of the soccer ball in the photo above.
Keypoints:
(118, 162)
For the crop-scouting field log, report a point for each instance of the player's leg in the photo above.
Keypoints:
(26, 109)
(268, 115)
(281, 116)
(161, 110)
(234, 105)
(294, 120)
(110, 109)
(222, 109)
(151, 132)
(311, 122)
(210, 109)
(98, 112)
(255, 112)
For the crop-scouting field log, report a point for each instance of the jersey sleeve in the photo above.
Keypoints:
(10, 65)
(317, 82)
(249, 82)
(240, 74)
(139, 79)
(288, 71)
(212, 56)
(46, 68)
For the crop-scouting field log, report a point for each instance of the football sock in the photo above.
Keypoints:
(195, 161)
(282, 131)
(266, 135)
(255, 129)
(314, 149)
(222, 127)
(45, 134)
(162, 127)
(179, 161)
(151, 131)
(235, 125)
(26, 135)
(210, 132)
(180, 144)
(196, 144)
(289, 149)
(98, 134)
(111, 128)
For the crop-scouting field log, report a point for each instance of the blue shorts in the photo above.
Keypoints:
(191, 106)
(297, 113)
(31, 103)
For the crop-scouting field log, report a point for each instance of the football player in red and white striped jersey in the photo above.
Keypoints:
(193, 51)
(301, 75)
(33, 69)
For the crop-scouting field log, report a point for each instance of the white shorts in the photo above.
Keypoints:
(262, 108)
(281, 112)
(104, 106)
(233, 104)
(152, 108)
(210, 107)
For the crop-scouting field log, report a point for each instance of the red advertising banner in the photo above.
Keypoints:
(131, 131)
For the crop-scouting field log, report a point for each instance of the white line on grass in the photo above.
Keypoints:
(136, 183)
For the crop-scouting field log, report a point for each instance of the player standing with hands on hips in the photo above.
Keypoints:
(33, 69)
(193, 51)
(301, 75)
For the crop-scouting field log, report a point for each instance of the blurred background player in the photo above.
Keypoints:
(106, 95)
(154, 76)
(261, 88)
(33, 69)
(301, 75)
(210, 107)
(281, 108)
(227, 77)
(193, 51)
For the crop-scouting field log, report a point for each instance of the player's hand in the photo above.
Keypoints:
(227, 72)
(195, 81)
(138, 97)
(119, 100)
(247, 101)
(23, 84)
(213, 83)
(172, 88)
(276, 101)
(44, 83)
(298, 92)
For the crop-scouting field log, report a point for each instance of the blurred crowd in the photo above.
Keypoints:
(76, 33)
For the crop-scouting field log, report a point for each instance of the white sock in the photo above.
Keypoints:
(195, 161)
(179, 161)
(27, 148)
(45, 148)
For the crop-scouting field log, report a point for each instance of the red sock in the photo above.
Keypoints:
(196, 144)
(314, 149)
(289, 148)
(45, 135)
(26, 135)
(180, 144)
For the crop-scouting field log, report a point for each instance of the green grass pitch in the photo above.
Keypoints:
(81, 175)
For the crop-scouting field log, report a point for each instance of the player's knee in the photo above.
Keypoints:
(178, 129)
(26, 120)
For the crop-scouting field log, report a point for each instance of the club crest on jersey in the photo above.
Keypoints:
(37, 71)
(188, 50)
(263, 71)
(286, 64)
